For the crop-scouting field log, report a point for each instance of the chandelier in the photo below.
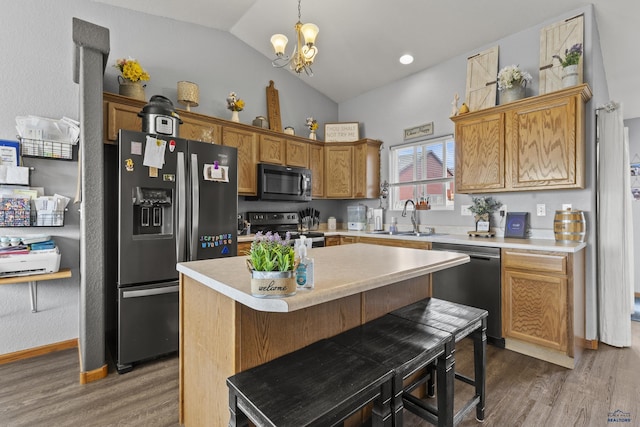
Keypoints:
(305, 51)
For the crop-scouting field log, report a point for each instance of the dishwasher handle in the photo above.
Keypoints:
(486, 256)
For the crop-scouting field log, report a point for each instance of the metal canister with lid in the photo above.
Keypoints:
(159, 117)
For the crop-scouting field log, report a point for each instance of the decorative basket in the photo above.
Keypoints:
(272, 284)
(131, 89)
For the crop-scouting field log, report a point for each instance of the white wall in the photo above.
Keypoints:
(634, 156)
(36, 70)
(426, 97)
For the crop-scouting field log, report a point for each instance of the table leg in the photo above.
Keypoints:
(33, 291)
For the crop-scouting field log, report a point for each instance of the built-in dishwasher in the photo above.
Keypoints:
(476, 284)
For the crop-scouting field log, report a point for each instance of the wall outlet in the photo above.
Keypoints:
(503, 210)
(566, 206)
(464, 210)
(541, 210)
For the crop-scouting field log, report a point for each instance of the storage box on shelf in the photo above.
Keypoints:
(46, 149)
(17, 212)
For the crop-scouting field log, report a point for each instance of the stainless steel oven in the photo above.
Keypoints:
(281, 223)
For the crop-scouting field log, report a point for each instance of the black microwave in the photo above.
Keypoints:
(283, 183)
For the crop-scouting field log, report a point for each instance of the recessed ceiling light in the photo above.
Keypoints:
(406, 59)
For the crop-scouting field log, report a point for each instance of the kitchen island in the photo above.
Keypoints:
(225, 330)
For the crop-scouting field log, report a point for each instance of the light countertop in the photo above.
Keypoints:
(464, 239)
(339, 271)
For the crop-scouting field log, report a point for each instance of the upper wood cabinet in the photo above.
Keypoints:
(339, 170)
(272, 149)
(536, 143)
(246, 143)
(120, 113)
(352, 170)
(297, 154)
(316, 164)
(197, 129)
(480, 154)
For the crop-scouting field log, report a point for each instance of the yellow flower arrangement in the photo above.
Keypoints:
(234, 103)
(312, 123)
(131, 69)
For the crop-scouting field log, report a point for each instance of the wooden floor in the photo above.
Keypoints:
(521, 391)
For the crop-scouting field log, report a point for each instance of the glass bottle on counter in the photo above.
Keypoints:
(393, 228)
(304, 271)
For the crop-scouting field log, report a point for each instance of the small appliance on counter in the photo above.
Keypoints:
(356, 217)
(378, 219)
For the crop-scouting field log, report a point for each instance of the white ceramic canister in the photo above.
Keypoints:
(331, 223)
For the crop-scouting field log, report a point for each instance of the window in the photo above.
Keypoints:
(422, 170)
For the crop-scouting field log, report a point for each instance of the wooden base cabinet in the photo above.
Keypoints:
(543, 299)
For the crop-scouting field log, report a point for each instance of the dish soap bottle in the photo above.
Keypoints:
(304, 271)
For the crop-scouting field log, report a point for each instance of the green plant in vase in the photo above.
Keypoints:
(482, 208)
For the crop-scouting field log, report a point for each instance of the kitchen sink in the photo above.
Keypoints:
(406, 233)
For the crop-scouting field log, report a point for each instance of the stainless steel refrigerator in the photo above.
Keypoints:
(177, 201)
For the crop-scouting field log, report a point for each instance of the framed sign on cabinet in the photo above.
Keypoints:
(341, 132)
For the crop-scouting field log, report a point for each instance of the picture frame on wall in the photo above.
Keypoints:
(342, 132)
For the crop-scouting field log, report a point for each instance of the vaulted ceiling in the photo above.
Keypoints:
(360, 41)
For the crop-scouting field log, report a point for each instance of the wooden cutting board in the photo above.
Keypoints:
(273, 108)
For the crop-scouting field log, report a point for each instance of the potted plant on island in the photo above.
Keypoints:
(570, 76)
(272, 264)
(482, 208)
(512, 83)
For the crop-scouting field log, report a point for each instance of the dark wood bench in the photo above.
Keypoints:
(461, 321)
(319, 385)
(407, 347)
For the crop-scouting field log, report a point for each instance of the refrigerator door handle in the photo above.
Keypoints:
(195, 208)
(150, 292)
(181, 207)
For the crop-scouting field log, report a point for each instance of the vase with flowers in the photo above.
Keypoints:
(482, 208)
(312, 124)
(570, 74)
(131, 78)
(272, 265)
(512, 83)
(234, 104)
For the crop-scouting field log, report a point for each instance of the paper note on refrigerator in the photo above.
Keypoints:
(154, 152)
(216, 172)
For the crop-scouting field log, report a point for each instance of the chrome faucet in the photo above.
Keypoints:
(414, 216)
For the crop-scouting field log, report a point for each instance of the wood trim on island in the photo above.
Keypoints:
(220, 336)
